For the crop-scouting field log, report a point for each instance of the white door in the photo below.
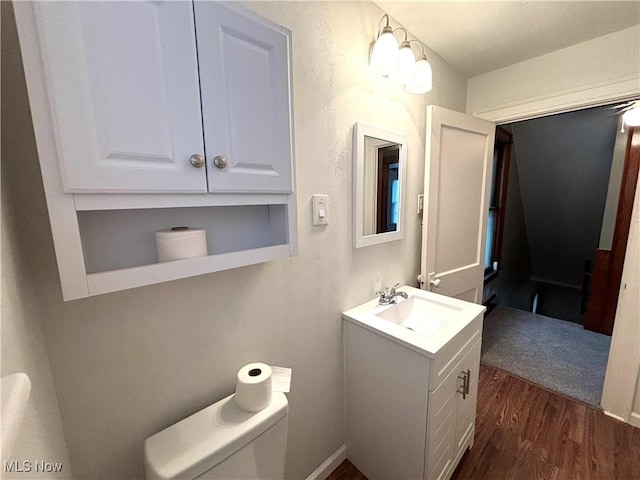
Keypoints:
(244, 73)
(123, 81)
(459, 152)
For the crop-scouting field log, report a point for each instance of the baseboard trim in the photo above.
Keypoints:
(329, 465)
(613, 415)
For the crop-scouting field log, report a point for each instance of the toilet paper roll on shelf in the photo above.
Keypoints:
(253, 387)
(178, 243)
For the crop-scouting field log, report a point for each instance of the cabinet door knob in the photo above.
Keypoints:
(197, 160)
(219, 161)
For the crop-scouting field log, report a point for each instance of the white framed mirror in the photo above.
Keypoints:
(379, 170)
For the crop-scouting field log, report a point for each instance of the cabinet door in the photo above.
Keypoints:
(244, 73)
(123, 83)
(451, 416)
(466, 407)
(441, 428)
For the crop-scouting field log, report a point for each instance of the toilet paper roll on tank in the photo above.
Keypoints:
(256, 382)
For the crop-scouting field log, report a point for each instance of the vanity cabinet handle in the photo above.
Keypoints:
(466, 382)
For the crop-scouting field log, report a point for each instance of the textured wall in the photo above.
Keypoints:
(564, 163)
(23, 349)
(128, 364)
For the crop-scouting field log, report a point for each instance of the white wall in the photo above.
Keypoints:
(590, 73)
(23, 349)
(130, 363)
(41, 436)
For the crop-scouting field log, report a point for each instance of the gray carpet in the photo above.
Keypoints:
(555, 354)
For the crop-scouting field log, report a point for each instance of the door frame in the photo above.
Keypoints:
(587, 99)
(556, 104)
(607, 272)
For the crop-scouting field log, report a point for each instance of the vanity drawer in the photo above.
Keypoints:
(449, 356)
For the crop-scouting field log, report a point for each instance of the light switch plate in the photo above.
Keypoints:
(320, 210)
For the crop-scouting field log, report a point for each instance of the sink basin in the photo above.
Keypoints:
(421, 315)
(425, 321)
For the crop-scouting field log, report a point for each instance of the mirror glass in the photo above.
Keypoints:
(379, 163)
(381, 186)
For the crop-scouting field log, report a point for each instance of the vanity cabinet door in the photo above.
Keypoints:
(451, 418)
(466, 404)
(244, 74)
(441, 428)
(122, 78)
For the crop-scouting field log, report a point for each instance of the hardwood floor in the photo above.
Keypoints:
(524, 432)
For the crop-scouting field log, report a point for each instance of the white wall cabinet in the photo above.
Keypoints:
(409, 415)
(244, 78)
(125, 81)
(123, 95)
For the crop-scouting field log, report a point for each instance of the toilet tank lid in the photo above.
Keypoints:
(199, 442)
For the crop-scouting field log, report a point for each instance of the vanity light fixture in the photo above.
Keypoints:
(421, 80)
(397, 61)
(406, 60)
(385, 50)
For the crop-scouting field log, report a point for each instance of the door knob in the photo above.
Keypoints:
(197, 160)
(436, 282)
(219, 161)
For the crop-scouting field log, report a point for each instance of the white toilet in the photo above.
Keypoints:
(222, 442)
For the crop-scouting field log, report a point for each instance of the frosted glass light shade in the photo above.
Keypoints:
(385, 53)
(422, 79)
(406, 63)
(632, 117)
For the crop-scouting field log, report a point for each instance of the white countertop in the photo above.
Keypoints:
(458, 313)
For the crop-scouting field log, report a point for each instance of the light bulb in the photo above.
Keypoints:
(385, 53)
(422, 79)
(632, 117)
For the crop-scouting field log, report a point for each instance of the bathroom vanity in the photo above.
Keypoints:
(411, 382)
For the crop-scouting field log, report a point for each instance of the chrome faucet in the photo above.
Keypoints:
(388, 295)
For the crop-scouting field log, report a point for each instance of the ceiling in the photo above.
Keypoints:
(481, 36)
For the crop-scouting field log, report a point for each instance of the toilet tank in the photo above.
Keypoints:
(222, 442)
